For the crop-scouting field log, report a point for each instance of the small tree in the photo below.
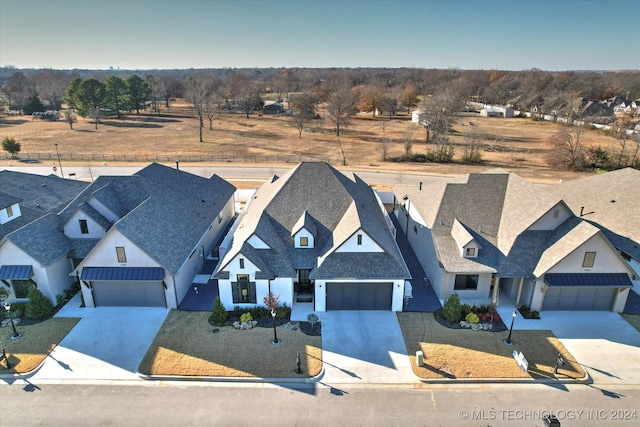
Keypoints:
(567, 149)
(472, 142)
(452, 310)
(33, 105)
(271, 301)
(39, 307)
(219, 315)
(11, 146)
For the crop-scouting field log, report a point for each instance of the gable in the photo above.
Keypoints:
(605, 258)
(359, 242)
(553, 218)
(257, 242)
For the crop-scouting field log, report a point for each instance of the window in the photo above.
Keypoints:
(304, 241)
(241, 260)
(303, 275)
(84, 228)
(122, 256)
(466, 282)
(359, 239)
(21, 287)
(589, 259)
(243, 290)
(470, 252)
(9, 211)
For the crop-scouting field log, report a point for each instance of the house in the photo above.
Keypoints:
(497, 111)
(314, 234)
(273, 108)
(33, 249)
(491, 235)
(418, 116)
(611, 202)
(141, 239)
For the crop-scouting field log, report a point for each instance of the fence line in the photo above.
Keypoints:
(193, 158)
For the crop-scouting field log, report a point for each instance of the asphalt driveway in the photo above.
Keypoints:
(364, 347)
(108, 343)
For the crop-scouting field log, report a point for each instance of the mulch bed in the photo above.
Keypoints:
(314, 330)
(498, 325)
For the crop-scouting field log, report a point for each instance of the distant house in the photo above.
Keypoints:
(318, 235)
(33, 249)
(145, 236)
(273, 108)
(418, 116)
(496, 237)
(497, 111)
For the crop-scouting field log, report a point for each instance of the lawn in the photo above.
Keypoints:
(35, 343)
(465, 354)
(186, 345)
(633, 319)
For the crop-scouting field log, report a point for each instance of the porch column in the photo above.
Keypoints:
(519, 291)
(496, 284)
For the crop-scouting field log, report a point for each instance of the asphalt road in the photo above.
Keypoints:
(242, 172)
(234, 405)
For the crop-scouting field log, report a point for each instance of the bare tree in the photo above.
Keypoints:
(303, 110)
(249, 99)
(408, 139)
(620, 127)
(214, 102)
(442, 106)
(441, 150)
(473, 140)
(196, 92)
(383, 148)
(567, 149)
(341, 103)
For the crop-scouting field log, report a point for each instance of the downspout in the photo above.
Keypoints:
(175, 291)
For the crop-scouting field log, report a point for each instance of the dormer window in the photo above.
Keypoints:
(359, 239)
(470, 252)
(84, 228)
(304, 242)
(589, 259)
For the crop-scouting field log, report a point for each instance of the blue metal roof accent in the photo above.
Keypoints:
(16, 272)
(123, 273)
(612, 280)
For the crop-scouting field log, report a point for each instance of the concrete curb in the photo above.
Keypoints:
(256, 380)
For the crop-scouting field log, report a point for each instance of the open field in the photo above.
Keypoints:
(518, 145)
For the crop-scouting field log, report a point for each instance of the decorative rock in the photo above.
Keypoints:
(244, 325)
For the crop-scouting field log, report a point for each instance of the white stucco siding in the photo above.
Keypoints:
(257, 242)
(482, 291)
(320, 295)
(367, 245)
(97, 205)
(552, 219)
(72, 227)
(282, 288)
(104, 253)
(304, 233)
(58, 279)
(234, 268)
(606, 260)
(15, 213)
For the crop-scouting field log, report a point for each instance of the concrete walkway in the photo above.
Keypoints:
(364, 347)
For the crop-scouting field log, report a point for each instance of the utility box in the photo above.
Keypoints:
(419, 358)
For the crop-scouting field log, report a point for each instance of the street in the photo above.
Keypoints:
(197, 403)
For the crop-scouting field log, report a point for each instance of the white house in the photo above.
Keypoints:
(494, 234)
(317, 235)
(418, 116)
(147, 234)
(33, 249)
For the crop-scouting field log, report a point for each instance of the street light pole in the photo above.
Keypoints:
(513, 318)
(15, 335)
(59, 162)
(275, 336)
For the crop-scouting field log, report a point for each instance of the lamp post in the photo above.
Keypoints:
(513, 318)
(275, 336)
(59, 162)
(15, 335)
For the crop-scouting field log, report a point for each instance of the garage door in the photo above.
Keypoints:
(359, 296)
(579, 298)
(128, 294)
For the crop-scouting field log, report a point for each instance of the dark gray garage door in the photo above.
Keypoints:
(579, 298)
(128, 294)
(359, 296)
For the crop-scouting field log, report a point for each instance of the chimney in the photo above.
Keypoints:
(177, 164)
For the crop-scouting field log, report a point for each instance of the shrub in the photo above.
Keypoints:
(535, 314)
(246, 317)
(39, 307)
(472, 318)
(283, 312)
(466, 309)
(452, 310)
(219, 313)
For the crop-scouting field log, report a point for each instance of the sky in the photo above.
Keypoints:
(163, 34)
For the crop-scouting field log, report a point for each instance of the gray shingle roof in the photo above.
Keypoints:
(163, 211)
(314, 194)
(43, 239)
(7, 200)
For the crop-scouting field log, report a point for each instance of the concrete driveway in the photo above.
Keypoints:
(603, 342)
(108, 343)
(364, 347)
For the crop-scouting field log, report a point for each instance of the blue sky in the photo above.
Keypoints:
(490, 34)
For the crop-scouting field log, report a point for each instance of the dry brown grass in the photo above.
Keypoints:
(633, 319)
(185, 345)
(35, 343)
(466, 354)
(520, 144)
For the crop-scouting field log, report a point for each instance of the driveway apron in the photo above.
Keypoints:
(108, 343)
(364, 347)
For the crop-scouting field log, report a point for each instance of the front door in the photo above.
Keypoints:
(305, 291)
